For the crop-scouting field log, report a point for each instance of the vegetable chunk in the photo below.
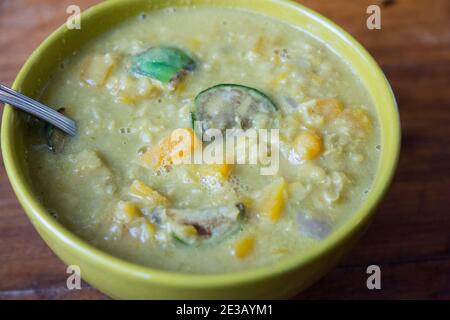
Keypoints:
(182, 143)
(165, 64)
(308, 145)
(97, 68)
(244, 247)
(201, 226)
(270, 201)
(329, 108)
(232, 106)
(130, 90)
(127, 211)
(140, 190)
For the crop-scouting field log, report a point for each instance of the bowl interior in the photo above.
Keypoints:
(63, 43)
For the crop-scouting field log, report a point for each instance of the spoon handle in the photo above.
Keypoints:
(37, 109)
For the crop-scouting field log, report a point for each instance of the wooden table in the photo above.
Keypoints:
(410, 237)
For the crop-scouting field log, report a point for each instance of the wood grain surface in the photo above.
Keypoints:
(410, 237)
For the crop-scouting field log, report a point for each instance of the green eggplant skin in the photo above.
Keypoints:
(231, 106)
(164, 64)
(237, 226)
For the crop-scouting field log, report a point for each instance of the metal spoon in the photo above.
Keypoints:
(37, 109)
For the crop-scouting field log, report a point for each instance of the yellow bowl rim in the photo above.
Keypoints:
(37, 212)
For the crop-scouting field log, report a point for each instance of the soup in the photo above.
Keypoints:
(148, 96)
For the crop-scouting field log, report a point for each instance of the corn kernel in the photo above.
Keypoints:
(330, 108)
(244, 246)
(128, 211)
(149, 228)
(131, 210)
(308, 145)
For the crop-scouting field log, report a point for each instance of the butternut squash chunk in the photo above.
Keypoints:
(97, 68)
(270, 201)
(140, 190)
(175, 149)
(308, 145)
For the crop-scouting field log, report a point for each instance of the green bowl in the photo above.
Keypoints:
(121, 279)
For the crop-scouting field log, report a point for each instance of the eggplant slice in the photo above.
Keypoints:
(165, 64)
(232, 106)
(200, 226)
